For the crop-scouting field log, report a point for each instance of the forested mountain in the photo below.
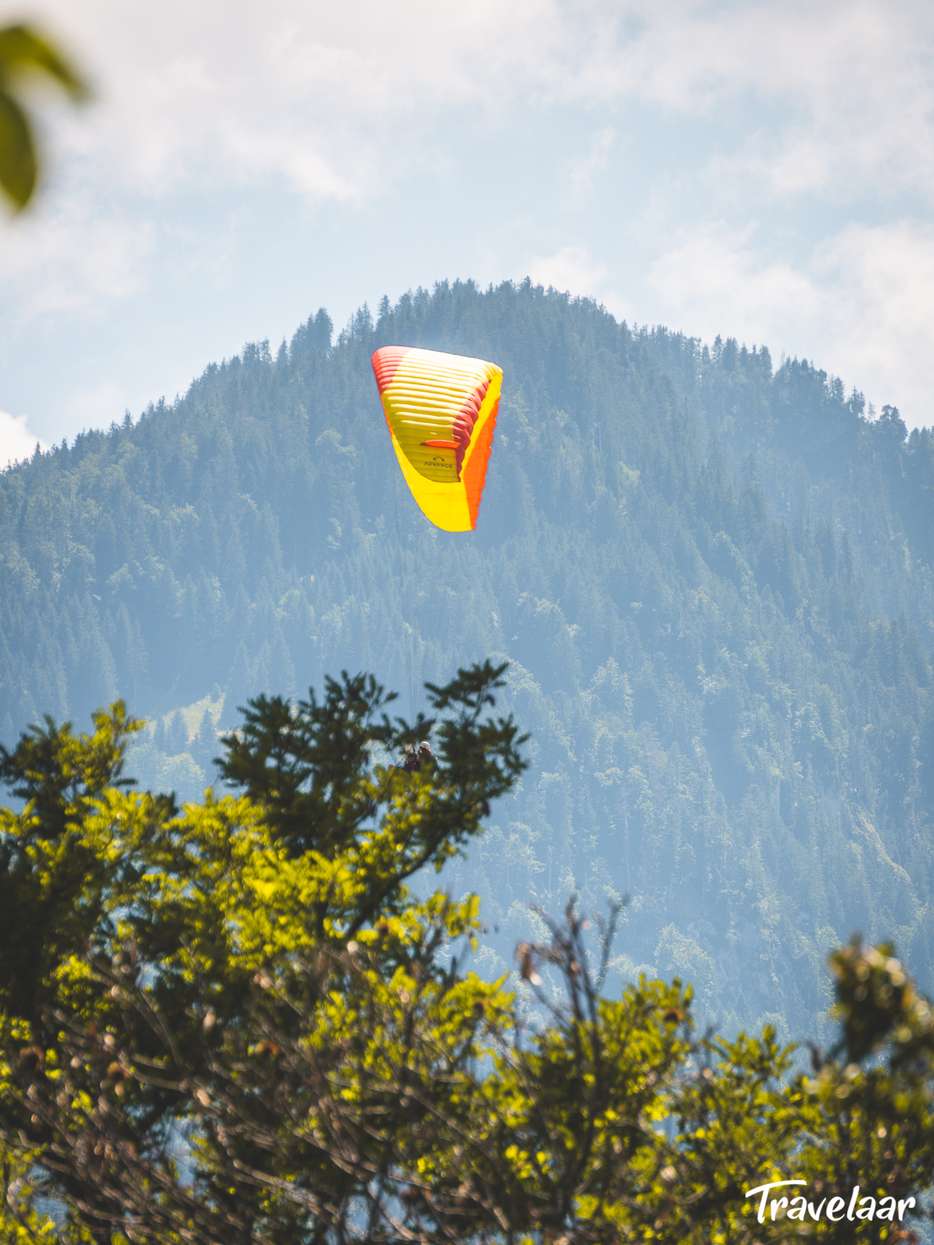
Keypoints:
(714, 581)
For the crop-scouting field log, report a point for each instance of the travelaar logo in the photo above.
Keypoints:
(836, 1209)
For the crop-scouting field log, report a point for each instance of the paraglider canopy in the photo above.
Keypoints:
(441, 410)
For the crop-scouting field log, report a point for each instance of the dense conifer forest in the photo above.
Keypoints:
(713, 578)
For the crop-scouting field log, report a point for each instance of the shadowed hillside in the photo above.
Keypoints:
(714, 582)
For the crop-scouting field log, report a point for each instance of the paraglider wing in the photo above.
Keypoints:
(441, 411)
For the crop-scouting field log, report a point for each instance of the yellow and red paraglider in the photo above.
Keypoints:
(441, 411)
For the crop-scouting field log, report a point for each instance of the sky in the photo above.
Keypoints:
(758, 170)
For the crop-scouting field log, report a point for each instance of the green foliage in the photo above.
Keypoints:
(247, 1025)
(304, 761)
(48, 866)
(26, 53)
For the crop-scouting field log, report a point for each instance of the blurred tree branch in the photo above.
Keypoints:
(27, 54)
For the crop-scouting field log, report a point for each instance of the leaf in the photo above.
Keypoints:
(24, 48)
(18, 165)
(24, 51)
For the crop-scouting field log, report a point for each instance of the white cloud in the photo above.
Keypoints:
(850, 87)
(881, 277)
(573, 270)
(345, 104)
(712, 280)
(858, 304)
(290, 90)
(341, 93)
(337, 101)
(333, 103)
(16, 440)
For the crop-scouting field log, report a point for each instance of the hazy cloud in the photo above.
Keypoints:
(573, 270)
(858, 304)
(68, 256)
(16, 440)
(855, 85)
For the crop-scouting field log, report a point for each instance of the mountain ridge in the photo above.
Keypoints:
(714, 581)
